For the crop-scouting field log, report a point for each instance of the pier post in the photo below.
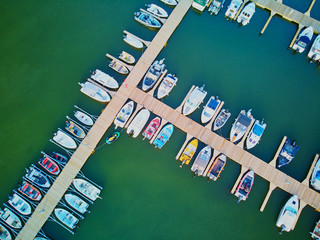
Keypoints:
(215, 154)
(188, 138)
(179, 109)
(307, 179)
(241, 143)
(209, 125)
(272, 13)
(243, 170)
(151, 92)
(266, 199)
(296, 35)
(163, 122)
(132, 116)
(274, 160)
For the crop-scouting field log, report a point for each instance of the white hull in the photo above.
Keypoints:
(64, 140)
(238, 129)
(104, 79)
(66, 217)
(255, 134)
(314, 53)
(84, 118)
(86, 189)
(305, 35)
(315, 177)
(126, 57)
(198, 6)
(169, 2)
(194, 100)
(95, 92)
(4, 233)
(246, 14)
(37, 178)
(208, 110)
(133, 42)
(157, 11)
(153, 75)
(288, 214)
(124, 114)
(76, 202)
(233, 8)
(138, 122)
(19, 204)
(166, 86)
(201, 161)
(10, 218)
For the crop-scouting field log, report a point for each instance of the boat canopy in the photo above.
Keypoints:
(244, 120)
(291, 211)
(258, 130)
(213, 103)
(303, 41)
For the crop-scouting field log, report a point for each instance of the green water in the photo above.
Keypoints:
(47, 47)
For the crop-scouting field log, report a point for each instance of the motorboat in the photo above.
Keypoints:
(113, 138)
(240, 125)
(210, 109)
(119, 67)
(166, 85)
(58, 157)
(188, 152)
(201, 161)
(287, 153)
(126, 57)
(75, 129)
(83, 118)
(76, 202)
(49, 165)
(104, 79)
(138, 123)
(315, 233)
(221, 119)
(10, 218)
(64, 140)
(37, 177)
(156, 10)
(194, 100)
(171, 3)
(66, 217)
(246, 13)
(19, 204)
(4, 233)
(314, 53)
(217, 167)
(95, 92)
(147, 20)
(199, 4)
(315, 177)
(216, 6)
(303, 39)
(233, 9)
(288, 214)
(151, 129)
(163, 136)
(124, 114)
(133, 42)
(86, 188)
(245, 186)
(30, 191)
(255, 134)
(153, 74)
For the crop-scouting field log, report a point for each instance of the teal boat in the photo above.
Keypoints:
(112, 138)
(163, 136)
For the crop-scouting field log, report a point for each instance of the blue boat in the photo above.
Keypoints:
(288, 152)
(147, 20)
(163, 136)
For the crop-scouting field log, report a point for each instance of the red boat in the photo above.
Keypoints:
(49, 165)
(245, 186)
(30, 191)
(151, 128)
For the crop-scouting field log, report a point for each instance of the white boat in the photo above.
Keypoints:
(153, 74)
(303, 39)
(201, 161)
(221, 119)
(126, 57)
(10, 218)
(66, 217)
(255, 134)
(194, 100)
(216, 6)
(86, 189)
(233, 9)
(166, 85)
(246, 13)
(133, 42)
(240, 125)
(147, 20)
(314, 53)
(200, 4)
(138, 122)
(170, 2)
(315, 234)
(156, 10)
(64, 140)
(84, 118)
(77, 203)
(74, 129)
(4, 233)
(315, 177)
(38, 178)
(104, 79)
(288, 214)
(210, 109)
(119, 67)
(124, 115)
(19, 204)
(94, 92)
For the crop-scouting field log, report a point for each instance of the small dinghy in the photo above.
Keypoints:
(217, 167)
(75, 129)
(216, 6)
(113, 138)
(288, 214)
(166, 85)
(10, 218)
(201, 161)
(36, 177)
(316, 231)
(151, 128)
(303, 40)
(221, 119)
(124, 115)
(126, 57)
(86, 189)
(171, 3)
(138, 123)
(64, 140)
(156, 10)
(58, 157)
(233, 9)
(66, 217)
(314, 53)
(19, 204)
(104, 79)
(4, 233)
(153, 74)
(84, 118)
(95, 92)
(76, 203)
(194, 100)
(188, 152)
(163, 136)
(247, 13)
(210, 109)
(255, 134)
(49, 165)
(287, 153)
(240, 125)
(133, 42)
(245, 186)
(30, 191)
(147, 20)
(118, 67)
(315, 177)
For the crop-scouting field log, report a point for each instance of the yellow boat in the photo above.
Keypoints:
(188, 152)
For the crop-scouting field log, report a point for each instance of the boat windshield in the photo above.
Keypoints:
(258, 130)
(291, 210)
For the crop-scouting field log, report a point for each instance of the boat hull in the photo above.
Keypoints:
(10, 218)
(4, 233)
(152, 128)
(288, 214)
(133, 42)
(83, 118)
(201, 161)
(315, 177)
(19, 204)
(76, 203)
(104, 79)
(245, 186)
(194, 100)
(209, 110)
(138, 123)
(95, 92)
(255, 134)
(37, 178)
(303, 40)
(163, 136)
(30, 191)
(166, 86)
(86, 189)
(217, 167)
(188, 152)
(124, 115)
(66, 217)
(49, 165)
(221, 119)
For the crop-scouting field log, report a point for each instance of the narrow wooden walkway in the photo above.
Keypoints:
(83, 152)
